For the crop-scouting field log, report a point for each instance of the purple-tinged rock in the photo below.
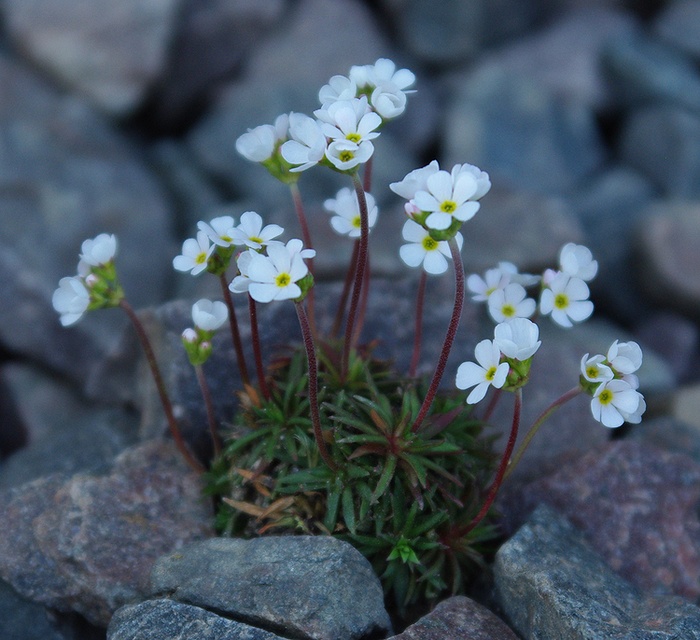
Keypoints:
(637, 505)
(552, 584)
(458, 618)
(87, 544)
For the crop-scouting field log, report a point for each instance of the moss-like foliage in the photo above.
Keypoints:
(403, 499)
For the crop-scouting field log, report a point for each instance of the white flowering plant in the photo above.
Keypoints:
(330, 439)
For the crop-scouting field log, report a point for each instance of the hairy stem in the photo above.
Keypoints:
(257, 349)
(235, 333)
(449, 337)
(561, 400)
(306, 237)
(418, 331)
(343, 301)
(500, 474)
(160, 386)
(313, 385)
(209, 405)
(359, 272)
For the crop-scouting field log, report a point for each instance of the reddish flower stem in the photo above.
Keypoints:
(500, 474)
(306, 237)
(364, 297)
(313, 385)
(449, 337)
(257, 349)
(343, 301)
(359, 273)
(209, 405)
(235, 333)
(418, 333)
(160, 386)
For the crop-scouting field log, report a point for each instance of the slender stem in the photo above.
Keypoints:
(367, 175)
(449, 337)
(211, 418)
(313, 385)
(342, 303)
(257, 350)
(359, 271)
(160, 386)
(500, 474)
(418, 332)
(306, 237)
(498, 393)
(235, 333)
(563, 399)
(362, 311)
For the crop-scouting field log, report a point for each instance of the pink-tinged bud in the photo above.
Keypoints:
(412, 211)
(189, 335)
(91, 280)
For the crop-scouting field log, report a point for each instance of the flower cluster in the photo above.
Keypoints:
(353, 108)
(563, 293)
(95, 286)
(612, 382)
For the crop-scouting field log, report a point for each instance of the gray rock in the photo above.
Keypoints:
(643, 70)
(109, 52)
(159, 619)
(532, 242)
(520, 133)
(87, 544)
(564, 57)
(458, 618)
(65, 177)
(669, 263)
(212, 40)
(551, 584)
(663, 142)
(670, 434)
(636, 505)
(259, 582)
(609, 207)
(88, 436)
(678, 24)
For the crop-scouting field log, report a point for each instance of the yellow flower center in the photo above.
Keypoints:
(491, 374)
(605, 396)
(429, 244)
(346, 156)
(354, 137)
(508, 310)
(592, 371)
(201, 258)
(356, 222)
(256, 239)
(283, 280)
(561, 301)
(448, 206)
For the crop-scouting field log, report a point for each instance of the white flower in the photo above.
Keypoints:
(511, 271)
(415, 181)
(259, 144)
(296, 246)
(517, 338)
(615, 400)
(219, 230)
(388, 101)
(274, 276)
(97, 252)
(338, 88)
(71, 300)
(566, 298)
(446, 199)
(386, 86)
(307, 144)
(625, 357)
(482, 288)
(347, 212)
(195, 254)
(594, 369)
(577, 260)
(349, 120)
(345, 155)
(510, 302)
(424, 250)
(241, 282)
(635, 417)
(483, 182)
(208, 315)
(189, 335)
(488, 372)
(251, 233)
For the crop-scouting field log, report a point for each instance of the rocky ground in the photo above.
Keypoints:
(122, 118)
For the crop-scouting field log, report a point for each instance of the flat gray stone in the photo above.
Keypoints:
(160, 619)
(298, 586)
